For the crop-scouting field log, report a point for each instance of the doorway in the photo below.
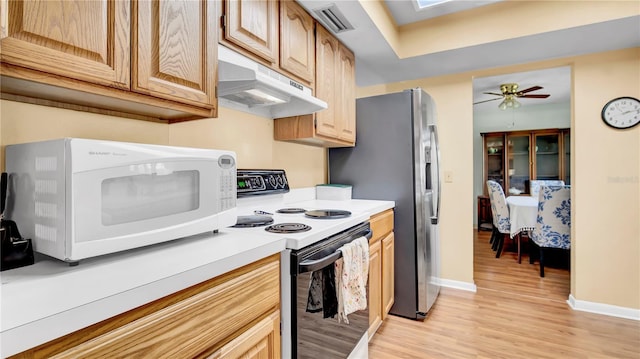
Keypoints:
(491, 114)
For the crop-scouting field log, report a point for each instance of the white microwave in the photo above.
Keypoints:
(80, 198)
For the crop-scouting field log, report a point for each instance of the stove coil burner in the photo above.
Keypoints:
(327, 213)
(288, 228)
(291, 210)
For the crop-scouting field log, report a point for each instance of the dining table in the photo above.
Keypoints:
(523, 214)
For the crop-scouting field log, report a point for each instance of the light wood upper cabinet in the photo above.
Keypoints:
(147, 59)
(335, 84)
(297, 41)
(327, 62)
(253, 26)
(346, 96)
(84, 40)
(175, 50)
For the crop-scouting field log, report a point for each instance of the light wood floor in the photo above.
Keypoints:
(513, 314)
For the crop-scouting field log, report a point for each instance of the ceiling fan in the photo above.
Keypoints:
(510, 93)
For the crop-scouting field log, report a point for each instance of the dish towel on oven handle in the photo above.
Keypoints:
(352, 272)
(322, 296)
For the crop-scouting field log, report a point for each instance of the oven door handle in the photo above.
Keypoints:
(310, 265)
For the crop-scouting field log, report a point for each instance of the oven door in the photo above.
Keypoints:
(314, 336)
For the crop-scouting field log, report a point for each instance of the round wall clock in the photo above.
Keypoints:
(621, 112)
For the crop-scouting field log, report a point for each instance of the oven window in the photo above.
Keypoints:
(326, 338)
(145, 196)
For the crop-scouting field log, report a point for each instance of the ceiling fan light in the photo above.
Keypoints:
(509, 102)
(503, 105)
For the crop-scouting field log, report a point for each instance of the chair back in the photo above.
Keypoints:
(534, 186)
(499, 208)
(553, 225)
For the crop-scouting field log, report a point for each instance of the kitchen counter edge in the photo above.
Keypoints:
(50, 299)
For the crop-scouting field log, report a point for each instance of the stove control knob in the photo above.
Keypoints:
(272, 181)
(281, 181)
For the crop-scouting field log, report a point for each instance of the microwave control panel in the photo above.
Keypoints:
(228, 194)
(257, 182)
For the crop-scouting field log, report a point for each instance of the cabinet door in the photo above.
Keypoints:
(297, 41)
(494, 152)
(388, 244)
(346, 98)
(566, 165)
(547, 156)
(519, 167)
(258, 342)
(375, 287)
(82, 40)
(326, 65)
(253, 26)
(175, 52)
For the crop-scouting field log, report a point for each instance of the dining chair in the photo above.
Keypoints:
(500, 213)
(534, 185)
(553, 224)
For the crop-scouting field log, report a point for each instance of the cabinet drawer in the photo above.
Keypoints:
(194, 325)
(381, 224)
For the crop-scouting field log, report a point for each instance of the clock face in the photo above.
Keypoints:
(621, 112)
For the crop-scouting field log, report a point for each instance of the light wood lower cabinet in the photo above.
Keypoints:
(375, 287)
(381, 286)
(260, 341)
(388, 244)
(234, 315)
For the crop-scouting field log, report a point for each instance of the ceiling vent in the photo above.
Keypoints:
(332, 18)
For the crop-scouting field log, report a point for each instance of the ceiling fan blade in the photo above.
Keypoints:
(493, 93)
(493, 99)
(534, 88)
(535, 96)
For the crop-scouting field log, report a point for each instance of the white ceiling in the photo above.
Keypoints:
(554, 81)
(376, 63)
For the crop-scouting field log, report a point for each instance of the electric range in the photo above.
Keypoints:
(327, 226)
(262, 193)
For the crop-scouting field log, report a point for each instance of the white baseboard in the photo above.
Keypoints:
(455, 284)
(605, 309)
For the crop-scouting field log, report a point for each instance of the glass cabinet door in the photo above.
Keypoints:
(567, 158)
(494, 147)
(519, 172)
(547, 156)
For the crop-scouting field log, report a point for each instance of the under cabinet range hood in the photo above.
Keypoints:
(248, 86)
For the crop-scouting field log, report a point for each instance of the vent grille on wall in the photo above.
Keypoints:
(333, 19)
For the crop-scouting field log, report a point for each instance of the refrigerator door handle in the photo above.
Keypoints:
(434, 130)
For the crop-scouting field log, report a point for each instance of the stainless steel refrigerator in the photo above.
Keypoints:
(396, 157)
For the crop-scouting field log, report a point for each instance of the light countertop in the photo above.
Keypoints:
(50, 299)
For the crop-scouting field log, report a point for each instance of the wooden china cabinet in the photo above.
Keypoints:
(515, 158)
